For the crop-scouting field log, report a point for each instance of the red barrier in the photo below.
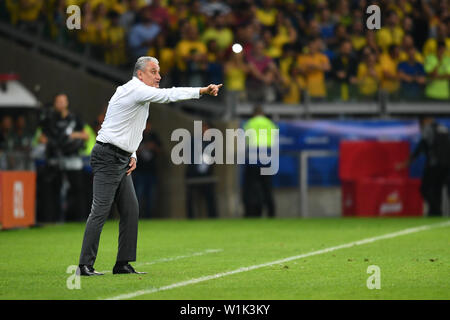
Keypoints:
(382, 197)
(370, 184)
(17, 198)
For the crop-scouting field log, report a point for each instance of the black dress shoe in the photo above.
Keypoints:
(84, 270)
(122, 269)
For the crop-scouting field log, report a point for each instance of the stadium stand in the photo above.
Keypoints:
(117, 31)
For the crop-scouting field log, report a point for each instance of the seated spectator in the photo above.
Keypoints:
(113, 39)
(28, 12)
(371, 43)
(214, 61)
(344, 70)
(211, 7)
(101, 21)
(262, 76)
(327, 25)
(357, 36)
(313, 29)
(88, 33)
(340, 36)
(407, 44)
(437, 67)
(243, 12)
(412, 77)
(180, 12)
(287, 60)
(191, 55)
(128, 18)
(391, 34)
(312, 65)
(293, 84)
(407, 25)
(271, 50)
(22, 144)
(7, 142)
(143, 34)
(285, 34)
(235, 71)
(56, 17)
(218, 31)
(401, 7)
(388, 62)
(369, 75)
(267, 13)
(443, 34)
(342, 14)
(196, 16)
(160, 14)
(166, 57)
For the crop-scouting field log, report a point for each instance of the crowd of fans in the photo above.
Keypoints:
(290, 47)
(15, 143)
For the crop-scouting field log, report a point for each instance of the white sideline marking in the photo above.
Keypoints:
(258, 266)
(195, 254)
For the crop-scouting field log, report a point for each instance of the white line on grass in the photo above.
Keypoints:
(267, 264)
(195, 254)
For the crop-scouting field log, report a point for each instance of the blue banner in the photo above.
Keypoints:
(300, 135)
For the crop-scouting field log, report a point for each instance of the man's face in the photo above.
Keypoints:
(61, 103)
(7, 123)
(150, 75)
(411, 54)
(346, 48)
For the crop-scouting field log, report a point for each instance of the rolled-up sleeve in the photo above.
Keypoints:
(144, 93)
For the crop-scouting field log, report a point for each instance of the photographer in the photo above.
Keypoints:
(64, 136)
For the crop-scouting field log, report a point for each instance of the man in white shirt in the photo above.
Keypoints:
(113, 158)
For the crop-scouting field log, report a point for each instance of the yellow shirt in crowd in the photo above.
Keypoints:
(184, 48)
(430, 46)
(25, 10)
(368, 84)
(387, 36)
(266, 17)
(404, 56)
(234, 78)
(166, 58)
(314, 80)
(388, 65)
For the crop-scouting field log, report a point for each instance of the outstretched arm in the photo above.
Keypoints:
(212, 89)
(146, 93)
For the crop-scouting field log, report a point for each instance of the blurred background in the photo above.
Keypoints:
(313, 67)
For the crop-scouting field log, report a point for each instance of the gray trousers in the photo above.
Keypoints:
(111, 184)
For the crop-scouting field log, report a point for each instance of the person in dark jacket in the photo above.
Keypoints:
(435, 144)
(200, 180)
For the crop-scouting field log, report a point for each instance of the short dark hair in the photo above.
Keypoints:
(258, 109)
(441, 44)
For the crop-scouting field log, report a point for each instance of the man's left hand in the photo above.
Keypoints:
(132, 166)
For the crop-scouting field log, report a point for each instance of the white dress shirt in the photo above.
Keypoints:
(128, 108)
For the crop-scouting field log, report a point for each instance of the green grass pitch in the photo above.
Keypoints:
(34, 261)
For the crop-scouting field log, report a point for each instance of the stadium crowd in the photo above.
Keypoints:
(291, 47)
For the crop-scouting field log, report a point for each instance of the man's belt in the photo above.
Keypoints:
(114, 148)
